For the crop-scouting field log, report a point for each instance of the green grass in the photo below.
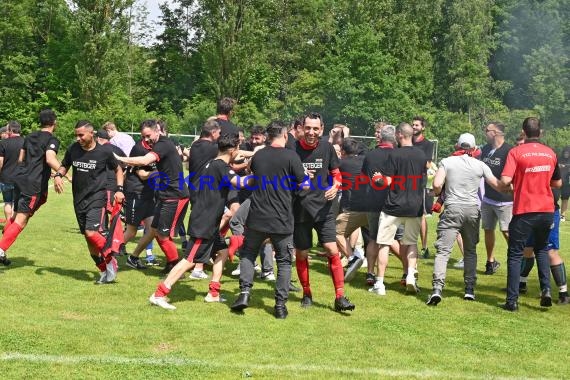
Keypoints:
(57, 323)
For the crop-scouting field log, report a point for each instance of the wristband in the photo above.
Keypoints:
(120, 189)
(58, 174)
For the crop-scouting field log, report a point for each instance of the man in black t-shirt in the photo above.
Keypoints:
(313, 208)
(353, 203)
(139, 204)
(203, 228)
(202, 151)
(90, 162)
(225, 109)
(9, 155)
(38, 156)
(278, 172)
(295, 133)
(404, 175)
(419, 141)
(172, 191)
(495, 206)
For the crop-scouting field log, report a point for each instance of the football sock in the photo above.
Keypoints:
(559, 275)
(337, 274)
(303, 274)
(169, 249)
(10, 235)
(99, 263)
(97, 240)
(162, 290)
(214, 288)
(526, 266)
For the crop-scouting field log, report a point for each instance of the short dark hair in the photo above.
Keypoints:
(275, 129)
(350, 146)
(209, 127)
(225, 106)
(421, 119)
(162, 126)
(226, 142)
(14, 127)
(531, 127)
(257, 130)
(149, 123)
(84, 123)
(298, 122)
(313, 115)
(47, 117)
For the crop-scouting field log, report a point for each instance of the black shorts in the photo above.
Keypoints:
(28, 204)
(303, 234)
(168, 214)
(200, 250)
(137, 209)
(92, 219)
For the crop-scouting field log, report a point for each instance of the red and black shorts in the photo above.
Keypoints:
(200, 250)
(92, 219)
(28, 204)
(168, 215)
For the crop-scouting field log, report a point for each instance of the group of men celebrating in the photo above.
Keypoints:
(302, 179)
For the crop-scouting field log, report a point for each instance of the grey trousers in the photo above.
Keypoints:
(237, 226)
(283, 245)
(457, 219)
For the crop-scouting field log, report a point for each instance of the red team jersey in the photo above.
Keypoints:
(531, 166)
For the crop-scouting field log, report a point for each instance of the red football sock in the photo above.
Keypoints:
(10, 235)
(9, 221)
(162, 290)
(215, 288)
(169, 249)
(100, 263)
(97, 240)
(236, 241)
(303, 273)
(337, 274)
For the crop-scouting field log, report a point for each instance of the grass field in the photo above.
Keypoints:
(57, 324)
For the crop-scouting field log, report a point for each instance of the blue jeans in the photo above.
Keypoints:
(538, 225)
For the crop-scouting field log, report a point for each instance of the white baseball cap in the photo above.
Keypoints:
(466, 141)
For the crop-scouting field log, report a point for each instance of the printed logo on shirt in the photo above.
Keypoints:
(85, 166)
(538, 169)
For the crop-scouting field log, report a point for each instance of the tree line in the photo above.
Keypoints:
(459, 63)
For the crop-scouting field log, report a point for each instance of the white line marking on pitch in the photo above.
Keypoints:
(184, 362)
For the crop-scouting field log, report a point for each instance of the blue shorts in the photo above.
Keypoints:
(553, 237)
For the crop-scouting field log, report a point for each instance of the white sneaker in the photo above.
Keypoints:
(198, 275)
(236, 271)
(267, 276)
(161, 302)
(459, 264)
(210, 298)
(378, 288)
(257, 268)
(111, 269)
(411, 285)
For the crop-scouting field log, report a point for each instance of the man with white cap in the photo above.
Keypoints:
(461, 173)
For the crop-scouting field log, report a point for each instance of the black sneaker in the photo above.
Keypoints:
(522, 288)
(492, 267)
(4, 260)
(563, 300)
(343, 304)
(425, 253)
(434, 298)
(135, 263)
(370, 279)
(511, 306)
(306, 301)
(280, 311)
(545, 298)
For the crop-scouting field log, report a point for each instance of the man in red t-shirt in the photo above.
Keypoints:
(532, 169)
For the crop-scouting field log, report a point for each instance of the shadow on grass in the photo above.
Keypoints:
(79, 275)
